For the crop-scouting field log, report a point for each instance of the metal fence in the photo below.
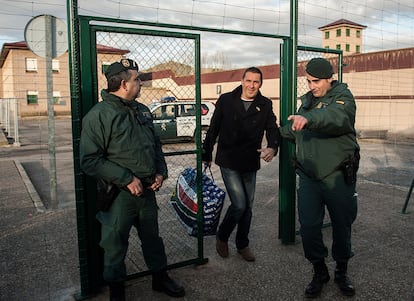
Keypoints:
(177, 56)
(170, 62)
(9, 121)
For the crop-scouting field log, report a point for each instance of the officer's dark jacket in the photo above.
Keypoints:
(118, 141)
(329, 137)
(240, 132)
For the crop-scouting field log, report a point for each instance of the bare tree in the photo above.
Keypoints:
(215, 62)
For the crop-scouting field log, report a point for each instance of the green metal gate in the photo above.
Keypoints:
(134, 40)
(148, 48)
(98, 42)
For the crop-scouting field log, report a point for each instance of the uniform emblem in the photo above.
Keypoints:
(258, 109)
(321, 105)
(341, 102)
(125, 63)
(163, 127)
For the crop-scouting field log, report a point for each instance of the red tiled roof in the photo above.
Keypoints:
(363, 62)
(23, 45)
(342, 22)
(269, 72)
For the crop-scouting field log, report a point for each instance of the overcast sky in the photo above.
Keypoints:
(390, 23)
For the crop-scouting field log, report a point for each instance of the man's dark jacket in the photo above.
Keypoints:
(118, 142)
(240, 132)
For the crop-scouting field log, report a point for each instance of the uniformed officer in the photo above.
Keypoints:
(118, 146)
(327, 157)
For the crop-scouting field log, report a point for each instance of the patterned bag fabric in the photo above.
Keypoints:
(184, 202)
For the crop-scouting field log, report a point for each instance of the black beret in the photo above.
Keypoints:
(319, 68)
(118, 67)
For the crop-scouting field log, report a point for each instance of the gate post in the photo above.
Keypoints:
(90, 255)
(287, 177)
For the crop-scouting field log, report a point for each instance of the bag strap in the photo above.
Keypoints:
(209, 168)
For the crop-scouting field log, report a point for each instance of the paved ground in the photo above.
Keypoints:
(39, 255)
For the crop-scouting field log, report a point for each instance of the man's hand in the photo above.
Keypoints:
(267, 153)
(207, 164)
(135, 187)
(159, 179)
(299, 122)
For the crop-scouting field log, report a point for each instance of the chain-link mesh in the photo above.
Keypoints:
(179, 246)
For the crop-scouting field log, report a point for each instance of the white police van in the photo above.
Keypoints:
(176, 120)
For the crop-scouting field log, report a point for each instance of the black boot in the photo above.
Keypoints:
(341, 278)
(161, 282)
(116, 291)
(320, 277)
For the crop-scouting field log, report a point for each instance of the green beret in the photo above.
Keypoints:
(319, 68)
(118, 67)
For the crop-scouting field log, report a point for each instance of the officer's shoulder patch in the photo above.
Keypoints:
(341, 102)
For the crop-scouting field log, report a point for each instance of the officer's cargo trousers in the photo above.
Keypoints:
(341, 201)
(127, 211)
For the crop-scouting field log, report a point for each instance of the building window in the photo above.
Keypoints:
(358, 48)
(338, 46)
(326, 35)
(348, 32)
(56, 97)
(338, 32)
(358, 33)
(347, 48)
(31, 64)
(105, 66)
(32, 97)
(55, 65)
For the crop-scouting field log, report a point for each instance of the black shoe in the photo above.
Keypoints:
(161, 282)
(320, 277)
(116, 291)
(344, 284)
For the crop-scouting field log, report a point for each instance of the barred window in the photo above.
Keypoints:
(31, 64)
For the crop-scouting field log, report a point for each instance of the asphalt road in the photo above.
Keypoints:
(39, 253)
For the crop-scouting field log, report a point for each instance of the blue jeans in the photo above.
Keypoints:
(240, 188)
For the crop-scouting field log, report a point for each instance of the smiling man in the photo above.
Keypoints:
(327, 158)
(240, 120)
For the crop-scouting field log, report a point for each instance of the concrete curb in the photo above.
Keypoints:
(37, 202)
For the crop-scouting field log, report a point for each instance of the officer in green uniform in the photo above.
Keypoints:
(327, 157)
(118, 147)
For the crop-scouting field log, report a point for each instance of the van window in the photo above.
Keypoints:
(187, 110)
(164, 112)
